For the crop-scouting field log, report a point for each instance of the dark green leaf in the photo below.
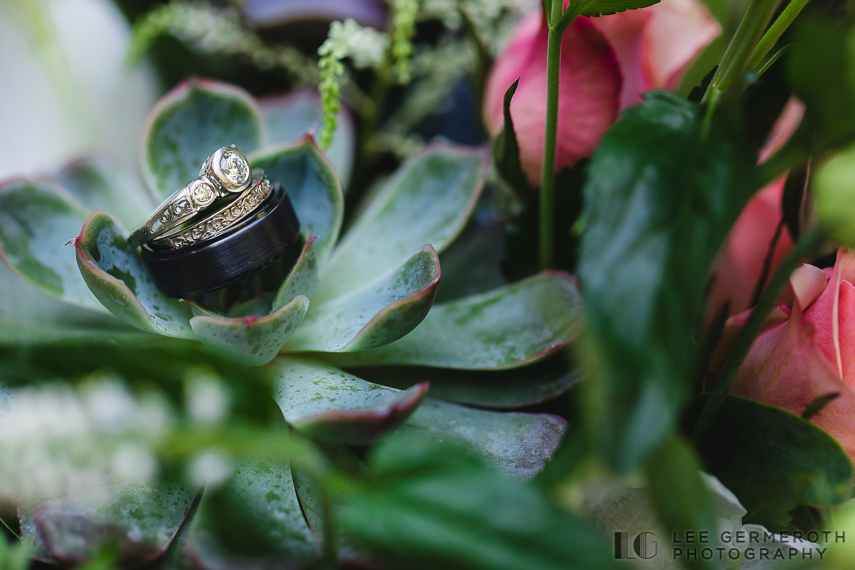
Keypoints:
(772, 460)
(662, 194)
(470, 265)
(506, 150)
(431, 505)
(606, 7)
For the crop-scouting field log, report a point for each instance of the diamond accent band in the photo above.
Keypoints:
(219, 222)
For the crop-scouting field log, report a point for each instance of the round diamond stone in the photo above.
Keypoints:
(203, 193)
(234, 168)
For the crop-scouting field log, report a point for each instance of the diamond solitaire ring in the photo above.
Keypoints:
(224, 173)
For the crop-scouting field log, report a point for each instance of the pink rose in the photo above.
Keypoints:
(606, 63)
(807, 349)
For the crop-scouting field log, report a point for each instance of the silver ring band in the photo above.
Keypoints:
(220, 221)
(225, 172)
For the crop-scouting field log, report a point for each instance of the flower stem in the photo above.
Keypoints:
(547, 179)
(749, 332)
(773, 34)
(742, 45)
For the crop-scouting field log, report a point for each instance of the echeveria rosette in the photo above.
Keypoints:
(364, 302)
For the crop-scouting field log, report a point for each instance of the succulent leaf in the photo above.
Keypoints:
(188, 124)
(375, 314)
(505, 328)
(427, 202)
(253, 523)
(139, 519)
(324, 402)
(306, 174)
(36, 220)
(251, 341)
(174, 558)
(114, 272)
(30, 533)
(501, 389)
(303, 277)
(290, 116)
(101, 185)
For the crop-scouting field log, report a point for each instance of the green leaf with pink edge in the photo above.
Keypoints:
(375, 314)
(189, 123)
(37, 218)
(115, 273)
(253, 522)
(505, 328)
(174, 557)
(428, 201)
(139, 519)
(324, 402)
(516, 443)
(101, 185)
(303, 277)
(498, 389)
(251, 341)
(30, 533)
(291, 116)
(305, 172)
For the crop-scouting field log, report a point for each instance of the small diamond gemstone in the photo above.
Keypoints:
(203, 193)
(234, 168)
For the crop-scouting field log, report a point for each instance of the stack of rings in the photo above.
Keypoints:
(220, 228)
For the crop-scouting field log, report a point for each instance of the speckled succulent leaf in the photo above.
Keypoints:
(427, 201)
(30, 532)
(345, 463)
(516, 443)
(505, 328)
(29, 317)
(304, 171)
(115, 273)
(258, 504)
(290, 116)
(251, 341)
(188, 124)
(375, 314)
(101, 185)
(500, 389)
(37, 218)
(324, 402)
(174, 557)
(139, 519)
(303, 277)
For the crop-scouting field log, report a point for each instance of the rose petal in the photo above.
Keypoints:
(808, 283)
(783, 128)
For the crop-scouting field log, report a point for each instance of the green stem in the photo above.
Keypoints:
(774, 33)
(547, 181)
(742, 45)
(749, 332)
(9, 528)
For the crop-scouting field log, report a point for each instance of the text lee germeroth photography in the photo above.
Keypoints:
(427, 284)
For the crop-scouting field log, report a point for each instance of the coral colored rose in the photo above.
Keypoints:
(606, 63)
(739, 265)
(807, 350)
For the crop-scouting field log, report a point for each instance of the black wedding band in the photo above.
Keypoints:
(246, 249)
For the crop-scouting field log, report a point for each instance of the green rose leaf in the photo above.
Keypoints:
(139, 519)
(502, 389)
(251, 341)
(291, 116)
(663, 190)
(252, 522)
(115, 273)
(324, 402)
(428, 201)
(606, 7)
(101, 185)
(375, 314)
(36, 221)
(427, 504)
(304, 171)
(188, 124)
(505, 328)
(772, 460)
(303, 277)
(506, 149)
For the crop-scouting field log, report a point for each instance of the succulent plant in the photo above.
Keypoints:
(347, 338)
